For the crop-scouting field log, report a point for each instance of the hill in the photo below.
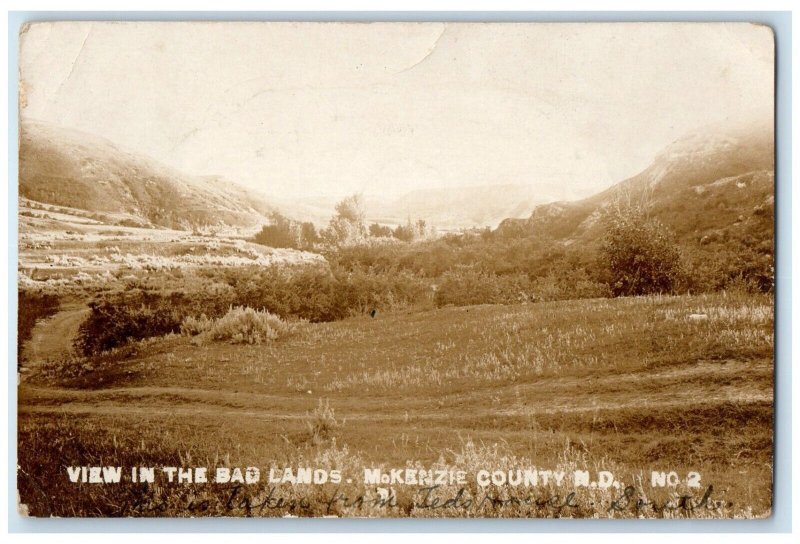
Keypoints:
(709, 186)
(462, 207)
(68, 168)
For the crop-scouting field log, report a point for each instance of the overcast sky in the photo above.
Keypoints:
(331, 109)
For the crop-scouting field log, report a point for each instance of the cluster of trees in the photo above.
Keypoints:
(346, 228)
(409, 232)
(287, 233)
(637, 255)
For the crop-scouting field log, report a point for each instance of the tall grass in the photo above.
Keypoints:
(240, 325)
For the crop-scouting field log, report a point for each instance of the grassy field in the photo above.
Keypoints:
(628, 385)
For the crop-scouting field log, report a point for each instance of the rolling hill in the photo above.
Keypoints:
(68, 168)
(708, 186)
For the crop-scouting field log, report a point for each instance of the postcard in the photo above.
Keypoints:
(395, 269)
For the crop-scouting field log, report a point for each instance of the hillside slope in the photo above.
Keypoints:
(78, 170)
(707, 186)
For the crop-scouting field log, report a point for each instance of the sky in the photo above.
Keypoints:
(311, 109)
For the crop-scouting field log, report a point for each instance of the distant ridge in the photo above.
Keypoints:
(465, 207)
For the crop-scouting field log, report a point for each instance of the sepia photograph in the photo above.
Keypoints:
(396, 270)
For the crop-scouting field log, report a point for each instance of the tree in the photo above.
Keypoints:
(285, 232)
(308, 235)
(348, 226)
(351, 209)
(380, 231)
(412, 231)
(640, 253)
(421, 229)
(279, 233)
(404, 233)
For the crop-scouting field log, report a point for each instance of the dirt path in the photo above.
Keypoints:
(52, 337)
(703, 384)
(193, 410)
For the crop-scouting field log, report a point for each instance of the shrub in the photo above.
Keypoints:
(467, 286)
(640, 254)
(192, 326)
(278, 234)
(322, 423)
(243, 326)
(113, 323)
(319, 295)
(307, 293)
(359, 292)
(464, 288)
(568, 286)
(116, 318)
(380, 231)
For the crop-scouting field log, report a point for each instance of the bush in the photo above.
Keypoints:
(322, 423)
(239, 326)
(359, 291)
(192, 326)
(307, 293)
(118, 318)
(568, 286)
(319, 295)
(112, 323)
(278, 234)
(380, 231)
(640, 254)
(468, 286)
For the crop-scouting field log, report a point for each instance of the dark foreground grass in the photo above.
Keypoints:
(628, 385)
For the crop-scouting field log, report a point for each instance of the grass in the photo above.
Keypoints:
(33, 307)
(241, 325)
(627, 385)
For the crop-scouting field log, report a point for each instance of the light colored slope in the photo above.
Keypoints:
(52, 338)
(69, 168)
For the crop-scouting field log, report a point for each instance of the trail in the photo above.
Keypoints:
(52, 338)
(654, 391)
(171, 410)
